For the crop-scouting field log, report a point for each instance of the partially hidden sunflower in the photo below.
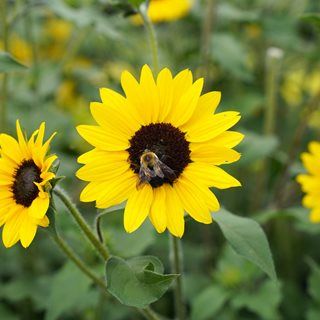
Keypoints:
(310, 182)
(24, 182)
(167, 10)
(159, 148)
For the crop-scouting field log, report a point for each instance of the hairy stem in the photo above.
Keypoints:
(143, 10)
(177, 268)
(63, 196)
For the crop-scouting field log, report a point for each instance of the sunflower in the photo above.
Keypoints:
(158, 148)
(167, 10)
(310, 183)
(24, 181)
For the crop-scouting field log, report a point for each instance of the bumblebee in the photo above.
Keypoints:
(151, 167)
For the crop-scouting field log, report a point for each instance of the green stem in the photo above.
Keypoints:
(5, 78)
(78, 262)
(143, 10)
(176, 261)
(63, 196)
(68, 251)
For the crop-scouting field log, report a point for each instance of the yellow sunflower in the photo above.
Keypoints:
(24, 182)
(158, 148)
(167, 10)
(310, 183)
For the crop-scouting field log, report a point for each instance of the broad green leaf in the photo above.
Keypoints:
(70, 287)
(248, 239)
(137, 282)
(208, 303)
(136, 3)
(264, 300)
(9, 64)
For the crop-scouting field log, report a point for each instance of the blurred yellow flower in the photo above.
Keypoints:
(310, 182)
(19, 48)
(159, 148)
(298, 83)
(167, 10)
(24, 179)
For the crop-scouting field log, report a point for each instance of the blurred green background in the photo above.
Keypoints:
(74, 47)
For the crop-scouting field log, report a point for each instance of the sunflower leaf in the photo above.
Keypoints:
(248, 239)
(137, 282)
(9, 64)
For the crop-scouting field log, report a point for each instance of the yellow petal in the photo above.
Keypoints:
(11, 229)
(174, 211)
(100, 138)
(228, 139)
(114, 119)
(135, 97)
(158, 211)
(315, 216)
(93, 190)
(117, 190)
(215, 155)
(138, 208)
(10, 148)
(28, 231)
(212, 126)
(165, 91)
(22, 141)
(181, 84)
(210, 175)
(196, 200)
(184, 109)
(150, 93)
(102, 171)
(39, 207)
(102, 155)
(314, 147)
(311, 163)
(207, 105)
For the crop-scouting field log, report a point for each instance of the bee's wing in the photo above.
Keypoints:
(166, 171)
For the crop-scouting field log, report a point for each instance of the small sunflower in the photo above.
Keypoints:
(167, 10)
(310, 183)
(159, 148)
(24, 180)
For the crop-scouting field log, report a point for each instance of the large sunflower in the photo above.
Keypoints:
(24, 179)
(310, 182)
(167, 10)
(159, 148)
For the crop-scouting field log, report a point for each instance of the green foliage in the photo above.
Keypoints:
(137, 282)
(247, 239)
(69, 292)
(9, 64)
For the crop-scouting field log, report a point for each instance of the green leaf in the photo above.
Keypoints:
(70, 287)
(312, 18)
(9, 64)
(137, 282)
(208, 303)
(248, 239)
(264, 300)
(314, 281)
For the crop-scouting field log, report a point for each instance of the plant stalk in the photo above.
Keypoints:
(177, 268)
(5, 77)
(68, 251)
(63, 196)
(143, 10)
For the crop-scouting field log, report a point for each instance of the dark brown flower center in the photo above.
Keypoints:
(167, 143)
(23, 188)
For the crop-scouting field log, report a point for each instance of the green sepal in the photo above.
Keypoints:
(137, 282)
